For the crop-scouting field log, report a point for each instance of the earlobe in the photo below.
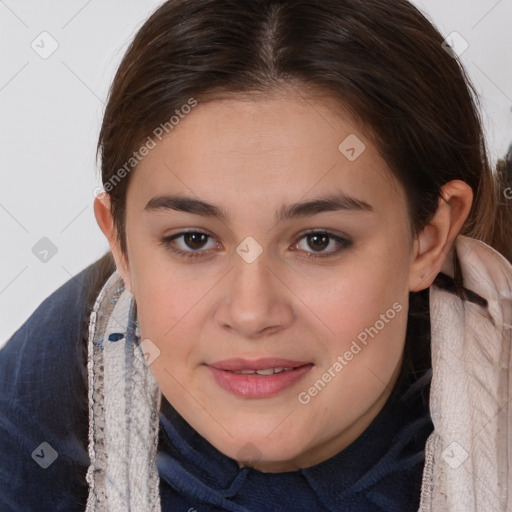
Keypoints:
(436, 239)
(103, 214)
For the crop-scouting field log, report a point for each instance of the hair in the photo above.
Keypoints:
(502, 236)
(384, 61)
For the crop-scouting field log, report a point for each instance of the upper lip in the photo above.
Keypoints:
(263, 363)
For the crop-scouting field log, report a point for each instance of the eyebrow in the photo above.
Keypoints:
(330, 203)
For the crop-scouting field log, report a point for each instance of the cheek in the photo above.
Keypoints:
(365, 349)
(366, 313)
(166, 293)
(355, 296)
(167, 307)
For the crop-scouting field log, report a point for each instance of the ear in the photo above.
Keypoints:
(435, 240)
(103, 214)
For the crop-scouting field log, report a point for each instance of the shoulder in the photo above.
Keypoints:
(50, 339)
(43, 400)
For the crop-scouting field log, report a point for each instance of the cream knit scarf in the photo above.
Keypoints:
(468, 465)
(124, 404)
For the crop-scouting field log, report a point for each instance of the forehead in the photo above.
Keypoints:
(269, 151)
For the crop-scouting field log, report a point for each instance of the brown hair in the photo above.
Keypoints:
(383, 60)
(502, 233)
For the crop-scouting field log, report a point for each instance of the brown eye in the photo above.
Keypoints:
(190, 244)
(195, 240)
(316, 243)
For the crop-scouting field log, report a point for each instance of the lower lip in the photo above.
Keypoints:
(258, 386)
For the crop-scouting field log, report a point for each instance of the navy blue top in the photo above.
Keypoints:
(43, 438)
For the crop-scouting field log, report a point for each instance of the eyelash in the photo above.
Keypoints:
(342, 242)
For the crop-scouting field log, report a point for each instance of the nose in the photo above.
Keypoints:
(255, 301)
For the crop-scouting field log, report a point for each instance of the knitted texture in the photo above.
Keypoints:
(468, 456)
(124, 404)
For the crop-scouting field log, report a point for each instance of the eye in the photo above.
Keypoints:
(194, 244)
(188, 244)
(320, 241)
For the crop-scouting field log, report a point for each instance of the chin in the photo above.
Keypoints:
(260, 452)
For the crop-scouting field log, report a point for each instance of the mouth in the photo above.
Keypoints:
(266, 371)
(259, 378)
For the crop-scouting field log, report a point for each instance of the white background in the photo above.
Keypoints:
(51, 109)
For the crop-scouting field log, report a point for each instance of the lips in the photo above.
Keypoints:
(239, 364)
(259, 378)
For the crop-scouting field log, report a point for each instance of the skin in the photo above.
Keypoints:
(250, 157)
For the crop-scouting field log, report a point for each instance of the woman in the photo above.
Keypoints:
(300, 208)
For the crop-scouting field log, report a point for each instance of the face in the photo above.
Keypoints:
(262, 235)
